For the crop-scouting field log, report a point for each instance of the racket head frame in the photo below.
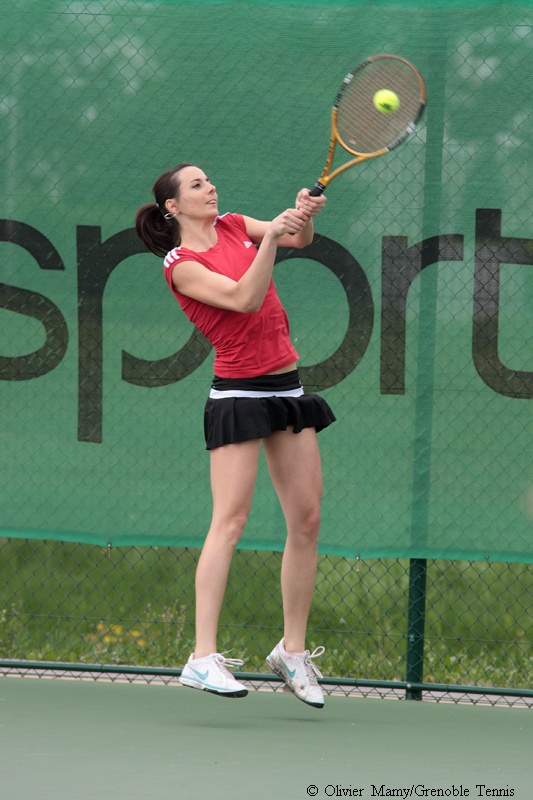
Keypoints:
(335, 138)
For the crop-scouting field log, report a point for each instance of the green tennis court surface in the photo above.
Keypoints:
(71, 739)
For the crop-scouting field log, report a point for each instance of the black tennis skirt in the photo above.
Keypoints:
(239, 409)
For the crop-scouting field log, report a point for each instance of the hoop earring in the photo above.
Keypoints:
(168, 215)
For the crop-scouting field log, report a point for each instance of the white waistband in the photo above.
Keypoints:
(216, 394)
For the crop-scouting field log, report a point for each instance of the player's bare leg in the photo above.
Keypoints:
(233, 476)
(294, 464)
(295, 468)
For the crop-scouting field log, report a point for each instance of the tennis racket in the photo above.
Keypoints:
(358, 126)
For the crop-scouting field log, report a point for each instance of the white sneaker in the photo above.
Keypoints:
(299, 673)
(211, 674)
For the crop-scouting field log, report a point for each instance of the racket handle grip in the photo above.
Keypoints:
(317, 190)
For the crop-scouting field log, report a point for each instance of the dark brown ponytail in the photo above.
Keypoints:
(160, 233)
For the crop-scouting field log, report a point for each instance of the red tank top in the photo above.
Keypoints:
(246, 345)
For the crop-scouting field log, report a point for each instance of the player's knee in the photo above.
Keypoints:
(309, 526)
(313, 525)
(234, 527)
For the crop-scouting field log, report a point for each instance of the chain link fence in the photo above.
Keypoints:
(105, 609)
(411, 311)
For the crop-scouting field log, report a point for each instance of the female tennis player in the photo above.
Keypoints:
(219, 268)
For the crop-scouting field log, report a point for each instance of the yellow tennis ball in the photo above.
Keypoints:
(386, 101)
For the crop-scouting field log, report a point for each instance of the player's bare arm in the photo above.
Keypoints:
(247, 294)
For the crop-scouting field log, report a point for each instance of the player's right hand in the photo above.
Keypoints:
(289, 221)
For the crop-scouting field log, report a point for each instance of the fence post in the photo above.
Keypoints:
(436, 80)
(416, 619)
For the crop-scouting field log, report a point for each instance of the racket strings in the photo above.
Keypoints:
(363, 128)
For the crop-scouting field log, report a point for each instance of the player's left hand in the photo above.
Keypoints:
(309, 205)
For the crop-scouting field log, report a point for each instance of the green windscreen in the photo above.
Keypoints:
(412, 311)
